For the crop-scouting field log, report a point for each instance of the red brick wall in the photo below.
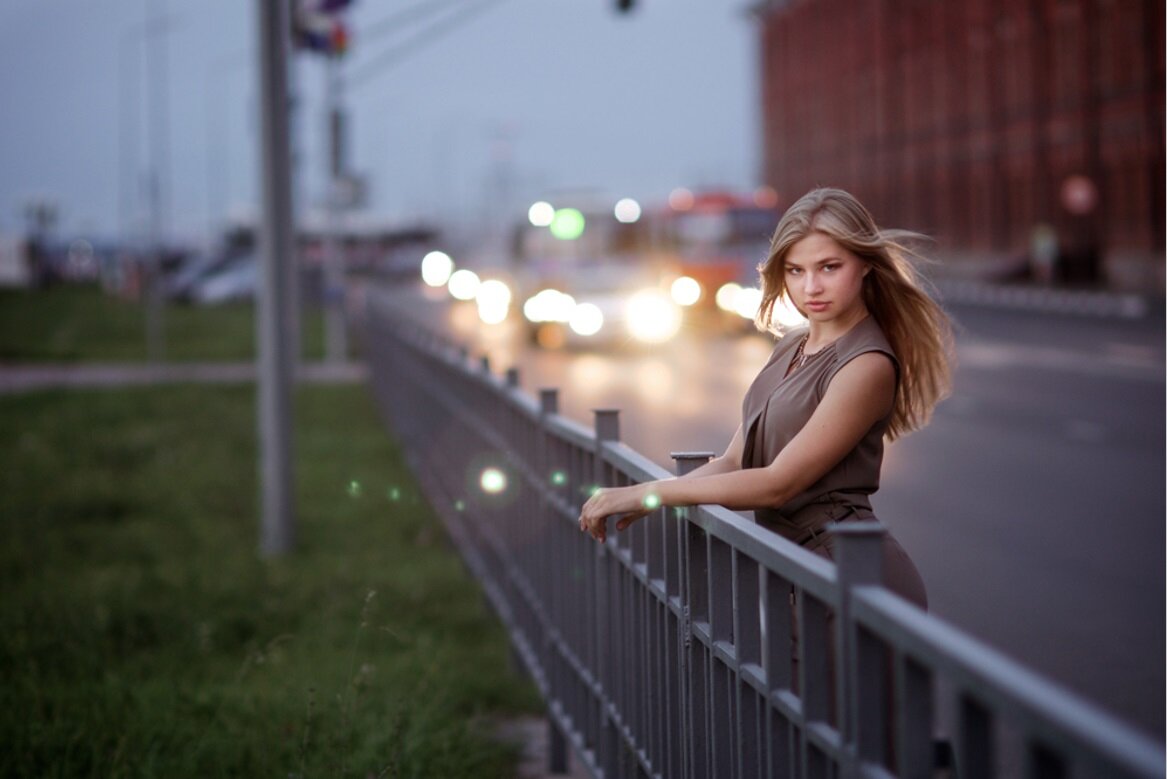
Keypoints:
(963, 119)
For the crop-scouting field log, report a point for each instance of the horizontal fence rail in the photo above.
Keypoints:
(697, 644)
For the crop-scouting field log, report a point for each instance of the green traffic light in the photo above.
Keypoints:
(567, 224)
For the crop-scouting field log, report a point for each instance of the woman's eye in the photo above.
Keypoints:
(793, 271)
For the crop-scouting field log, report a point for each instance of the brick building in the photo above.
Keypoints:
(976, 121)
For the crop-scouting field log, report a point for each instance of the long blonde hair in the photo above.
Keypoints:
(916, 327)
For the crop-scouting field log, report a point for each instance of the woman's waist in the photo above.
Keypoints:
(804, 522)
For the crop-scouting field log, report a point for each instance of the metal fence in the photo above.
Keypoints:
(697, 644)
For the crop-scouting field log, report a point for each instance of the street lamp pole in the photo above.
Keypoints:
(277, 251)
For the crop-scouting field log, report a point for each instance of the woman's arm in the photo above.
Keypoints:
(729, 461)
(859, 395)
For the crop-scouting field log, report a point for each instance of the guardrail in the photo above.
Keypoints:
(697, 644)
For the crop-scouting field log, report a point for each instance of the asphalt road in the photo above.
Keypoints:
(1033, 504)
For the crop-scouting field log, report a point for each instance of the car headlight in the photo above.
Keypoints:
(586, 319)
(686, 291)
(463, 284)
(652, 317)
(549, 305)
(494, 299)
(747, 301)
(727, 296)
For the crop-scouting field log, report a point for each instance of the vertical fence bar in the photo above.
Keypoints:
(914, 726)
(778, 643)
(550, 563)
(607, 428)
(748, 644)
(721, 668)
(690, 760)
(976, 747)
(861, 697)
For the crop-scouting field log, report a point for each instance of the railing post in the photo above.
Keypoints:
(548, 401)
(557, 747)
(684, 463)
(862, 712)
(512, 378)
(687, 462)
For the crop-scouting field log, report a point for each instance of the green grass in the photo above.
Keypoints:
(141, 634)
(80, 323)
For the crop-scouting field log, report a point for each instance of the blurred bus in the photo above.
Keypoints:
(715, 241)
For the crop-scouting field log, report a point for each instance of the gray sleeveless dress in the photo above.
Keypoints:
(777, 406)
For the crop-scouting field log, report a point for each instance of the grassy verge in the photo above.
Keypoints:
(80, 323)
(140, 634)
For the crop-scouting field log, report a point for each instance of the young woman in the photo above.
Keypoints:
(871, 363)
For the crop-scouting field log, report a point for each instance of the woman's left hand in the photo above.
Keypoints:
(630, 502)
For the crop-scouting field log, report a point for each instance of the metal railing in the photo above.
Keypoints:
(697, 644)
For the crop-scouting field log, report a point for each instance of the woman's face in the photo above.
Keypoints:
(823, 279)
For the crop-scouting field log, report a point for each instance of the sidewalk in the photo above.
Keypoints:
(28, 377)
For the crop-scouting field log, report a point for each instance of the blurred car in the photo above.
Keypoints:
(583, 276)
(237, 280)
(193, 271)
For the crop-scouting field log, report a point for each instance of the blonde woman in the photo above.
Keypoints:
(871, 363)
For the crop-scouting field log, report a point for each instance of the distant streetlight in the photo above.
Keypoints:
(627, 211)
(540, 214)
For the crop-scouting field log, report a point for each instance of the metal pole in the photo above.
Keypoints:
(157, 28)
(274, 394)
(336, 346)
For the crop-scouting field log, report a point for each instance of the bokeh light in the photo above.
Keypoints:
(549, 305)
(652, 317)
(627, 211)
(541, 213)
(559, 478)
(568, 224)
(436, 268)
(394, 494)
(727, 296)
(354, 489)
(766, 197)
(686, 291)
(747, 301)
(493, 481)
(464, 284)
(680, 199)
(494, 300)
(651, 501)
(586, 319)
(785, 314)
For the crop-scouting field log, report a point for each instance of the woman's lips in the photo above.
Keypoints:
(816, 305)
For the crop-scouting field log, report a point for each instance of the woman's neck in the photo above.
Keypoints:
(822, 334)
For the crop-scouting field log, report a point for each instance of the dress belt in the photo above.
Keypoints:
(815, 534)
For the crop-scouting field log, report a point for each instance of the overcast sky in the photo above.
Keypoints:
(502, 100)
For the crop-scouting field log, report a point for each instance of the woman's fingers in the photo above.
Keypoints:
(628, 519)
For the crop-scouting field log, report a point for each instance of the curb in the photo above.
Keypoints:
(1044, 299)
